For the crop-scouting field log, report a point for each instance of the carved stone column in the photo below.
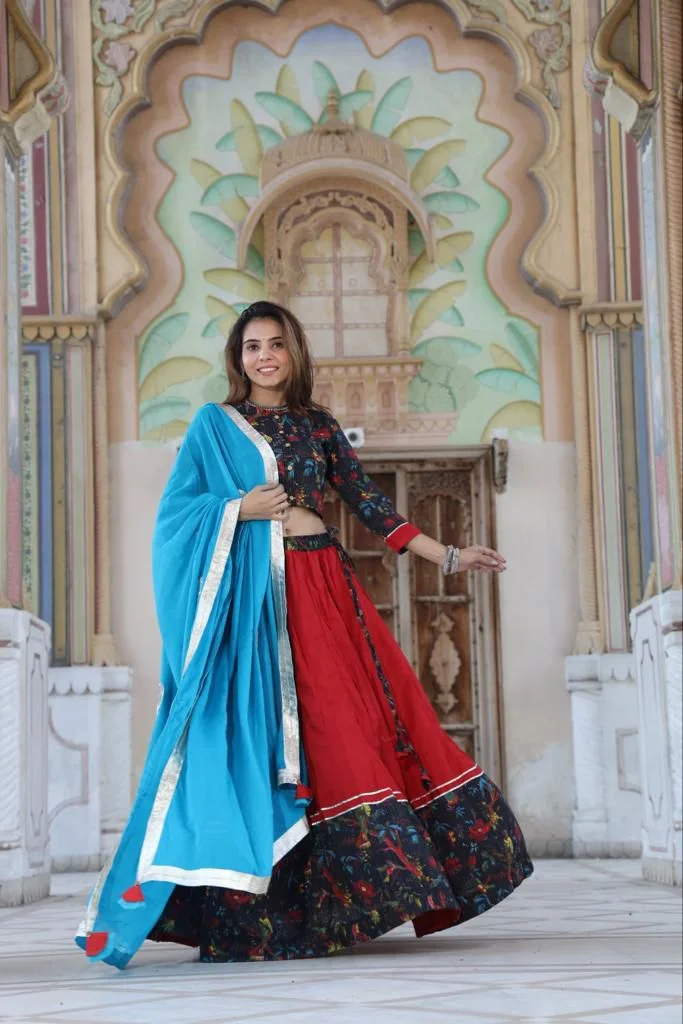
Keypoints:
(24, 853)
(589, 639)
(90, 755)
(606, 821)
(657, 632)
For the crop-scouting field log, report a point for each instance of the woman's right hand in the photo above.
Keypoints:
(267, 501)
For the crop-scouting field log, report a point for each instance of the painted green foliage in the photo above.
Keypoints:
(454, 315)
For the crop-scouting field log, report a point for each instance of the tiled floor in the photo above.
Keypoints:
(582, 942)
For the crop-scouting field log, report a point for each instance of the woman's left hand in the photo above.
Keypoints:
(480, 559)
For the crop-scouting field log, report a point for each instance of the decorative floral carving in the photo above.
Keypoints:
(118, 56)
(114, 19)
(445, 663)
(118, 11)
(552, 42)
(496, 8)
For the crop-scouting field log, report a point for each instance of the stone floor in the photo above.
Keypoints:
(582, 942)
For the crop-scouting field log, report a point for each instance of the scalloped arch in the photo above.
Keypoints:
(469, 22)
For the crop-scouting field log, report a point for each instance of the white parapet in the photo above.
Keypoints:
(657, 633)
(90, 752)
(604, 703)
(24, 841)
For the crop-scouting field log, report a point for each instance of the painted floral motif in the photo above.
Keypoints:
(118, 56)
(360, 875)
(118, 11)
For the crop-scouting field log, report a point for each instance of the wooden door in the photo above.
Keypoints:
(447, 627)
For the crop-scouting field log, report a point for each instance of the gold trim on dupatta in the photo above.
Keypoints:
(291, 773)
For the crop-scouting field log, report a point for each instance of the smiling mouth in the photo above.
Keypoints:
(269, 369)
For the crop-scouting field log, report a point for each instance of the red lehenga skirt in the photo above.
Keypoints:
(404, 825)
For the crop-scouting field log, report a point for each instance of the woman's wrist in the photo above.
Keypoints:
(428, 548)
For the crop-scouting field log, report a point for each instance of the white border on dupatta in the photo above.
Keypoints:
(171, 772)
(291, 773)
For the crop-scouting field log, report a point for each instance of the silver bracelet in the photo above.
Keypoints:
(451, 562)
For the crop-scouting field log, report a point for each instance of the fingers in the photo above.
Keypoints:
(270, 489)
(486, 560)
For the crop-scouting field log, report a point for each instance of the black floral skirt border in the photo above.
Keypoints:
(360, 875)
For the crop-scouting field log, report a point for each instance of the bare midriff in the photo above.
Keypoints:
(302, 522)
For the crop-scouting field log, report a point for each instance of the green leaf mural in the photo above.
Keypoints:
(224, 240)
(204, 174)
(452, 316)
(324, 82)
(223, 318)
(501, 357)
(433, 306)
(522, 339)
(247, 139)
(230, 186)
(171, 372)
(432, 163)
(524, 418)
(286, 84)
(160, 414)
(447, 251)
(413, 155)
(291, 115)
(443, 389)
(419, 129)
(268, 137)
(216, 233)
(446, 350)
(450, 202)
(447, 179)
(512, 383)
(160, 341)
(353, 101)
(362, 117)
(236, 282)
(216, 388)
(389, 110)
(476, 350)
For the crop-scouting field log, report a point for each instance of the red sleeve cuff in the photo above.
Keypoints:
(399, 539)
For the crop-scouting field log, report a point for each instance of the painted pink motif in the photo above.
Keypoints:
(546, 41)
(118, 11)
(118, 56)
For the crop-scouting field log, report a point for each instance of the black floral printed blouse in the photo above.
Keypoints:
(312, 451)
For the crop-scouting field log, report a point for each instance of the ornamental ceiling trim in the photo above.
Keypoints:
(154, 25)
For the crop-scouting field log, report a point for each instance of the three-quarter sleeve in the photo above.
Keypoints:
(362, 495)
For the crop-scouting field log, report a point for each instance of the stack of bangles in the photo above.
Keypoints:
(451, 562)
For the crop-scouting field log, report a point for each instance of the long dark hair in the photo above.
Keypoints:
(299, 391)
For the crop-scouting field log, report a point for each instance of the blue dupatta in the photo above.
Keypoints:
(217, 802)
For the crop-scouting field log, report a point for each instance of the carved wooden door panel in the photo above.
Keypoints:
(447, 627)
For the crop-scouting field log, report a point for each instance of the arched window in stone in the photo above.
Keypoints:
(335, 207)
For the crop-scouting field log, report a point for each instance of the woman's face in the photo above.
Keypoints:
(265, 357)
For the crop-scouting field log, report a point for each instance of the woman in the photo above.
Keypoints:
(299, 794)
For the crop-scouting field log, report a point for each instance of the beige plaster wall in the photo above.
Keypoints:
(538, 617)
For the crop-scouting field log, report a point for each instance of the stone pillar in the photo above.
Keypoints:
(90, 757)
(657, 632)
(606, 820)
(116, 756)
(24, 852)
